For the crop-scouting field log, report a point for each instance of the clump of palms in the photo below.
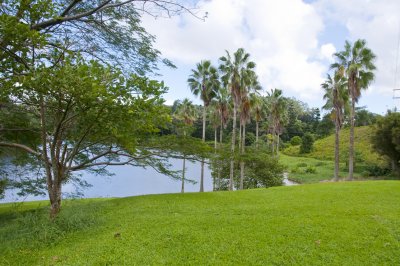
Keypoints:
(337, 97)
(236, 69)
(277, 116)
(358, 63)
(186, 114)
(204, 82)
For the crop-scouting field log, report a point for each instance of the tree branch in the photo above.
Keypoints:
(20, 146)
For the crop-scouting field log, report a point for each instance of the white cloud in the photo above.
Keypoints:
(327, 51)
(281, 36)
(379, 23)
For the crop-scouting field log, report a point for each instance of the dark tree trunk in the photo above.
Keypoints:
(232, 148)
(220, 145)
(55, 196)
(183, 174)
(351, 148)
(336, 171)
(242, 153)
(202, 160)
(256, 134)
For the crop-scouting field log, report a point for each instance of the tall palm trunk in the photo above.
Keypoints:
(256, 133)
(277, 145)
(183, 174)
(215, 152)
(232, 148)
(351, 148)
(273, 143)
(204, 139)
(336, 172)
(242, 153)
(220, 145)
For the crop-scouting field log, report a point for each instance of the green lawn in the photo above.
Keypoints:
(345, 223)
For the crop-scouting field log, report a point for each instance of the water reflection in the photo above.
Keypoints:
(132, 181)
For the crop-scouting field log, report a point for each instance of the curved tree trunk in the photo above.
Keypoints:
(232, 148)
(336, 171)
(202, 160)
(351, 148)
(242, 153)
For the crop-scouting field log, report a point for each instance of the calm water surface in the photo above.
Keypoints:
(132, 181)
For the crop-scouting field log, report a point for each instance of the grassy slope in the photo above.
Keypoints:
(296, 168)
(355, 223)
(322, 157)
(324, 148)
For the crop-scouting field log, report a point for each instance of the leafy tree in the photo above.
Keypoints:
(386, 140)
(204, 82)
(307, 143)
(358, 63)
(83, 116)
(235, 72)
(336, 97)
(186, 114)
(364, 118)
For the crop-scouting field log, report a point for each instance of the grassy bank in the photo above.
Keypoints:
(324, 148)
(346, 223)
(307, 170)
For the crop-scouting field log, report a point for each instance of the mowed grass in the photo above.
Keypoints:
(345, 223)
(306, 170)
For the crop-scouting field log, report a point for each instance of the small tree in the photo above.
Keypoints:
(295, 141)
(307, 143)
(386, 138)
(81, 116)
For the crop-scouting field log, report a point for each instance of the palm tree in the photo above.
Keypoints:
(336, 96)
(186, 113)
(222, 101)
(277, 112)
(234, 71)
(357, 61)
(204, 82)
(258, 110)
(244, 119)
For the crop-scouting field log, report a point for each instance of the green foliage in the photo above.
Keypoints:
(386, 138)
(307, 142)
(302, 164)
(261, 169)
(324, 148)
(295, 141)
(283, 222)
(310, 170)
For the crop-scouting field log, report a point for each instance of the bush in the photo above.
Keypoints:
(307, 143)
(375, 170)
(295, 141)
(310, 170)
(301, 165)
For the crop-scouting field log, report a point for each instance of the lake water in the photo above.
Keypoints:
(132, 181)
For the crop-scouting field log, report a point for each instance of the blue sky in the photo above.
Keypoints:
(291, 42)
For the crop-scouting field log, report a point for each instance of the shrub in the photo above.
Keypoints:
(307, 143)
(295, 141)
(311, 170)
(301, 165)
